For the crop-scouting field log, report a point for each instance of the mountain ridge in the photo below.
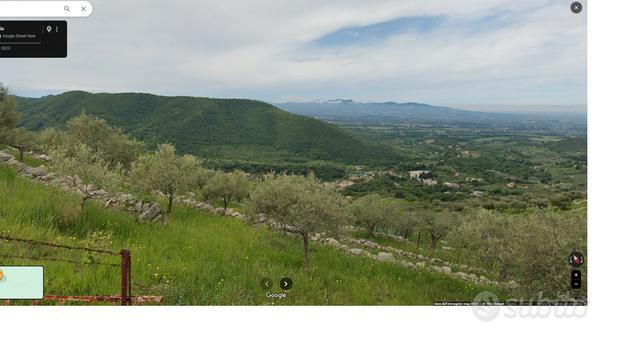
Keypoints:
(348, 110)
(239, 129)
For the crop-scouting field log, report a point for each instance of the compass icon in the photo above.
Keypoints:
(576, 259)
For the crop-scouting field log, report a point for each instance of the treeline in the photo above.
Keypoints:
(234, 129)
(324, 170)
(528, 247)
(493, 196)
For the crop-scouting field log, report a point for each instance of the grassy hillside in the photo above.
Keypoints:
(199, 258)
(233, 129)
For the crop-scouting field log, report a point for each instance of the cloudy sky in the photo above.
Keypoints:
(452, 52)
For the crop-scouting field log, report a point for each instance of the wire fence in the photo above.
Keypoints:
(58, 259)
(48, 244)
(124, 298)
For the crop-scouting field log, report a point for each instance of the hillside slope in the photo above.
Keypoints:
(198, 258)
(212, 128)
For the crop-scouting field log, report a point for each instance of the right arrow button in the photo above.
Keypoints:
(286, 283)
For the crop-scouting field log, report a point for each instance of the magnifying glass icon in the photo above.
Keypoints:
(66, 9)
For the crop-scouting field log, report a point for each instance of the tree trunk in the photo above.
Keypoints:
(170, 203)
(434, 240)
(226, 202)
(418, 240)
(406, 234)
(83, 203)
(370, 231)
(305, 239)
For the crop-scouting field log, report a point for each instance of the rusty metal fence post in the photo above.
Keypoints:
(126, 277)
(125, 265)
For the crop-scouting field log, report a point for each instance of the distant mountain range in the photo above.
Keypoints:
(347, 110)
(236, 129)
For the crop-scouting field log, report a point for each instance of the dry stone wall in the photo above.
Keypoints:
(151, 211)
(146, 210)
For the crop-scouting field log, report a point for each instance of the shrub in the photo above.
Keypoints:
(68, 215)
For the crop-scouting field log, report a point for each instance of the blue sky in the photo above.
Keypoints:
(378, 32)
(450, 52)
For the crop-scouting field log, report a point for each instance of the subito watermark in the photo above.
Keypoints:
(487, 306)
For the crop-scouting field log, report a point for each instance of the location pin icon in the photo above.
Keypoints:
(49, 29)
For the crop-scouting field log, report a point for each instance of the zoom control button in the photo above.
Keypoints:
(575, 279)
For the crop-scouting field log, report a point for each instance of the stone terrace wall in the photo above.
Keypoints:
(146, 210)
(151, 211)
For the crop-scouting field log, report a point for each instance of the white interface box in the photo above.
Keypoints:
(21, 282)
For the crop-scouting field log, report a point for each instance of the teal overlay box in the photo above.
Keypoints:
(21, 282)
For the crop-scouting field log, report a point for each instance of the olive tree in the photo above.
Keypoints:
(201, 177)
(25, 138)
(8, 116)
(302, 202)
(165, 171)
(533, 248)
(111, 142)
(437, 225)
(407, 221)
(88, 170)
(466, 236)
(52, 138)
(373, 211)
(227, 187)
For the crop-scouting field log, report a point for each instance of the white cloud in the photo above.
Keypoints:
(260, 49)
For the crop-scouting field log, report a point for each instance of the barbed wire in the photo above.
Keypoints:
(43, 243)
(60, 260)
(89, 261)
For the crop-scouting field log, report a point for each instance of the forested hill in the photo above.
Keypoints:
(212, 128)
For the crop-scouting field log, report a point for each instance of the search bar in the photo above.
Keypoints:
(45, 9)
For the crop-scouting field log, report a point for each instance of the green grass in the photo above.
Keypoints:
(28, 160)
(218, 203)
(199, 258)
(449, 255)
